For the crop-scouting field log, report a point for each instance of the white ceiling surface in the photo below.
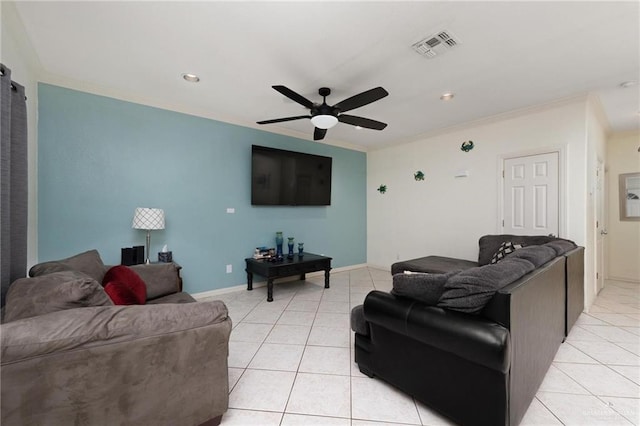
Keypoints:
(512, 55)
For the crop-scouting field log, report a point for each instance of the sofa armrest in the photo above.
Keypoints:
(102, 325)
(574, 278)
(161, 278)
(471, 337)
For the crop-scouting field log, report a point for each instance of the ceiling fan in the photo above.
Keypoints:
(324, 116)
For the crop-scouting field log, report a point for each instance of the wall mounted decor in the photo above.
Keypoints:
(419, 175)
(382, 189)
(467, 146)
(629, 196)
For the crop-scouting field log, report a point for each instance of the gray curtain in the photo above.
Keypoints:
(13, 181)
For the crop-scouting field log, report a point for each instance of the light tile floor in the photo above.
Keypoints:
(291, 361)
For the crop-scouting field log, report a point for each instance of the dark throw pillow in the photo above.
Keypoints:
(57, 291)
(124, 286)
(505, 249)
(424, 287)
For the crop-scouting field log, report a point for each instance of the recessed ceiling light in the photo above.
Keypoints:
(358, 127)
(446, 96)
(191, 78)
(627, 84)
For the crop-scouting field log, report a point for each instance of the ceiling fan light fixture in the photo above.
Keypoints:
(324, 121)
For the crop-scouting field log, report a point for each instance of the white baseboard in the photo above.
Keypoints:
(626, 280)
(258, 284)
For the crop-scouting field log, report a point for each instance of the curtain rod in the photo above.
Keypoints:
(13, 86)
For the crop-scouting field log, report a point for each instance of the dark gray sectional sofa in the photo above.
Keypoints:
(489, 244)
(477, 349)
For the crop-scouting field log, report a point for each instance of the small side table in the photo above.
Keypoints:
(299, 265)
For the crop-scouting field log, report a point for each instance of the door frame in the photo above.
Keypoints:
(601, 222)
(562, 184)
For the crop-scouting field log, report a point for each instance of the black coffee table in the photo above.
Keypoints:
(299, 265)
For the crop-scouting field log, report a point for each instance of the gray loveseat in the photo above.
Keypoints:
(69, 356)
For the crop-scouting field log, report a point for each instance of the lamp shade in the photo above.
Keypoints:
(145, 218)
(324, 121)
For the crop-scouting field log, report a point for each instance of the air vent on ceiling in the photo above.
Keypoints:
(436, 44)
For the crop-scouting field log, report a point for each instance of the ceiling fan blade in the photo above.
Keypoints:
(280, 120)
(361, 121)
(294, 96)
(318, 134)
(361, 99)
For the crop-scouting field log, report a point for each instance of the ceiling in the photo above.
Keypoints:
(512, 55)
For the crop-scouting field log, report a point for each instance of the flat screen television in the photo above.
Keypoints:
(288, 178)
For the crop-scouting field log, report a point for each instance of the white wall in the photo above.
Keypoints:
(623, 241)
(19, 56)
(444, 215)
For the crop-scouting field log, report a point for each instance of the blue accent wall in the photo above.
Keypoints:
(99, 158)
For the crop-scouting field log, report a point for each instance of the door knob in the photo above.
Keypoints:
(603, 232)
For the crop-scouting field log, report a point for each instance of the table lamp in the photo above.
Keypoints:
(149, 220)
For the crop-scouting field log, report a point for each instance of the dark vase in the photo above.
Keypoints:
(290, 244)
(279, 241)
(300, 249)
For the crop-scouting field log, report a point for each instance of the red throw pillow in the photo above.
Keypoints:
(124, 286)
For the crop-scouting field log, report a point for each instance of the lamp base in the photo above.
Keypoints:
(147, 261)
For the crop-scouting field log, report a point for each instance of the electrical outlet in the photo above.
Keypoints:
(229, 269)
(231, 210)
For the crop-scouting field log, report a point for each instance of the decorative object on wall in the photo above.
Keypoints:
(279, 241)
(149, 220)
(382, 189)
(467, 146)
(290, 245)
(629, 184)
(419, 175)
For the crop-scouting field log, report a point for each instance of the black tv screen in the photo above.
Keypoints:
(288, 178)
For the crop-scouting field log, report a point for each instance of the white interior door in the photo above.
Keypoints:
(531, 191)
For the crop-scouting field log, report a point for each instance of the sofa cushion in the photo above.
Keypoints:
(180, 297)
(432, 265)
(426, 288)
(489, 244)
(88, 262)
(57, 291)
(124, 286)
(561, 246)
(506, 248)
(105, 326)
(470, 290)
(538, 255)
